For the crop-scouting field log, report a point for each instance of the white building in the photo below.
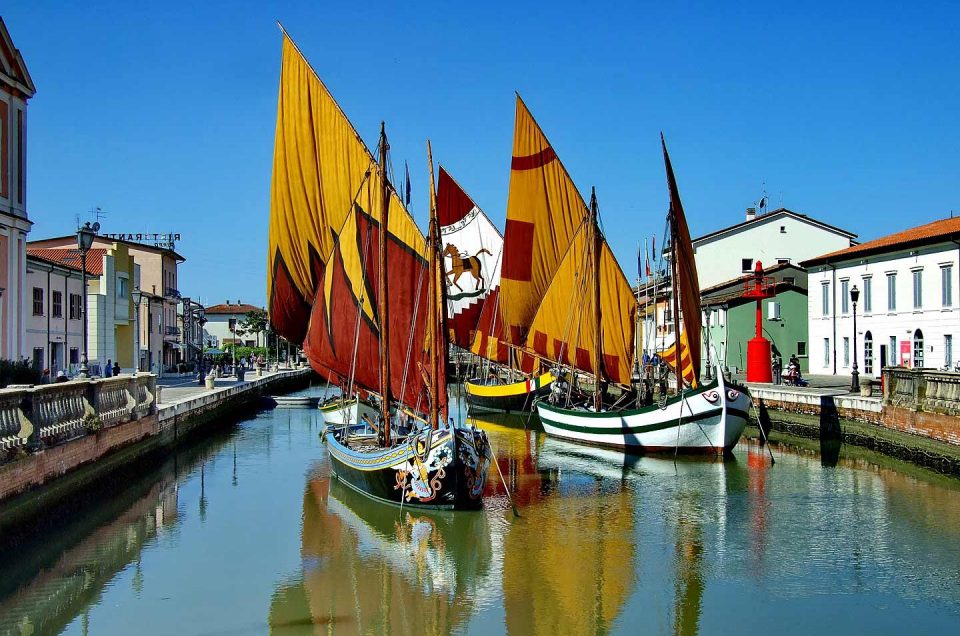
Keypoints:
(218, 324)
(781, 236)
(907, 311)
(54, 332)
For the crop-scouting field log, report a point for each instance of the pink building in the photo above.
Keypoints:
(16, 88)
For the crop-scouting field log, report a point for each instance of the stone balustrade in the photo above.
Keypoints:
(922, 390)
(45, 415)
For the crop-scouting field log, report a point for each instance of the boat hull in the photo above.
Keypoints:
(343, 412)
(506, 398)
(709, 419)
(443, 469)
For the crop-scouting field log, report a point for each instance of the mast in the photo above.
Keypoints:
(598, 346)
(437, 308)
(382, 316)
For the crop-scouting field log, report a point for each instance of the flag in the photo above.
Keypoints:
(640, 255)
(406, 178)
(763, 202)
(647, 264)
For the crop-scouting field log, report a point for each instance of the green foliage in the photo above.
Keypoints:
(255, 323)
(242, 352)
(18, 372)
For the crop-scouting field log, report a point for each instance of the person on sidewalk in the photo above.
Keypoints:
(116, 369)
(108, 369)
(777, 370)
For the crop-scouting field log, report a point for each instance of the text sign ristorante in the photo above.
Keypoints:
(144, 236)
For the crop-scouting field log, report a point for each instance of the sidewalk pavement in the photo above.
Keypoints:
(177, 388)
(818, 385)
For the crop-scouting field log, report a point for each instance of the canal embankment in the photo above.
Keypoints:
(916, 416)
(58, 439)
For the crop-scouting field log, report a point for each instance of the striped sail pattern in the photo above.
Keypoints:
(326, 208)
(686, 361)
(472, 250)
(546, 275)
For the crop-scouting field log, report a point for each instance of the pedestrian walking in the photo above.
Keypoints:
(777, 370)
(116, 368)
(108, 370)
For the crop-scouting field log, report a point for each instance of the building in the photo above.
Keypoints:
(730, 319)
(159, 338)
(112, 275)
(781, 236)
(16, 88)
(907, 311)
(54, 328)
(218, 324)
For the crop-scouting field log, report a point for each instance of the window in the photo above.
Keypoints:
(21, 169)
(825, 298)
(57, 300)
(802, 349)
(946, 286)
(74, 355)
(826, 352)
(891, 292)
(845, 296)
(948, 350)
(867, 294)
(893, 351)
(783, 229)
(790, 280)
(37, 301)
(917, 349)
(76, 307)
(38, 358)
(746, 264)
(846, 352)
(122, 287)
(868, 352)
(917, 288)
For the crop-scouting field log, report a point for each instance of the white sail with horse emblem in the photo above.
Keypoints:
(472, 254)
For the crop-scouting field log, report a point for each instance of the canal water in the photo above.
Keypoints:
(246, 533)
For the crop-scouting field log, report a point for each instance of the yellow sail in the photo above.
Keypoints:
(562, 329)
(544, 212)
(319, 163)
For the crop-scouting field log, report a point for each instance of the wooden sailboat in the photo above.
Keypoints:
(376, 320)
(700, 417)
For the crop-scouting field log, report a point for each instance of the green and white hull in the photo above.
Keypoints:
(710, 418)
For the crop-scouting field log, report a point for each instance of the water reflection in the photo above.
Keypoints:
(369, 567)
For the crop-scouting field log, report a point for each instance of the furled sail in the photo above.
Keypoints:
(562, 328)
(544, 212)
(685, 283)
(472, 248)
(319, 163)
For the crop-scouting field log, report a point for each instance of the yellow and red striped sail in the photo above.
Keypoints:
(685, 283)
(324, 238)
(686, 362)
(543, 300)
(319, 163)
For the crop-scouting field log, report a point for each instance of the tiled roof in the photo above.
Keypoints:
(70, 258)
(936, 232)
(235, 308)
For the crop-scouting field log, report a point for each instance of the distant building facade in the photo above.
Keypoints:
(218, 324)
(160, 341)
(54, 333)
(16, 88)
(780, 236)
(907, 314)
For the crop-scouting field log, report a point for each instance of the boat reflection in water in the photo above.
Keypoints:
(368, 568)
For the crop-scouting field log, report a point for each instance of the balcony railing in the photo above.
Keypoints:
(171, 292)
(172, 331)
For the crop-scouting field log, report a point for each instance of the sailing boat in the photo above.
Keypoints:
(701, 417)
(376, 322)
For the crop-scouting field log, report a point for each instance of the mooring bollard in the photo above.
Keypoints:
(211, 381)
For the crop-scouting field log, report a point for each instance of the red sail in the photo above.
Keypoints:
(343, 335)
(472, 247)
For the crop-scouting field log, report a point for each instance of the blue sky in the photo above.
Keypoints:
(164, 116)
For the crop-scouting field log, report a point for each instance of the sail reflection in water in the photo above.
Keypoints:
(368, 567)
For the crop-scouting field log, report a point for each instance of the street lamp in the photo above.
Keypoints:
(201, 322)
(85, 236)
(855, 376)
(137, 297)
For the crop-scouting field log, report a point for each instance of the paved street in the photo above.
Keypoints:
(176, 389)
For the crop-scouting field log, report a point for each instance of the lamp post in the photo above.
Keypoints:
(855, 376)
(137, 297)
(200, 323)
(85, 236)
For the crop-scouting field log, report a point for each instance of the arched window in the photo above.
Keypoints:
(868, 353)
(917, 349)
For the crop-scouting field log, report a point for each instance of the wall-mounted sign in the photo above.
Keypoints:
(160, 239)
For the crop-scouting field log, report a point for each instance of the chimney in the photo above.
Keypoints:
(751, 214)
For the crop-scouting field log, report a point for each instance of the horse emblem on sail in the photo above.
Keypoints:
(463, 263)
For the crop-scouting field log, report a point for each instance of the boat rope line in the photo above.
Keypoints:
(413, 326)
(356, 331)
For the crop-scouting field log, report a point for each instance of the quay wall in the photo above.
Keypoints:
(38, 479)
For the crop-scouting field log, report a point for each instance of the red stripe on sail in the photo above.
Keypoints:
(583, 360)
(540, 342)
(534, 161)
(452, 202)
(289, 312)
(611, 364)
(517, 250)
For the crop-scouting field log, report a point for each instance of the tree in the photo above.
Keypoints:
(255, 322)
